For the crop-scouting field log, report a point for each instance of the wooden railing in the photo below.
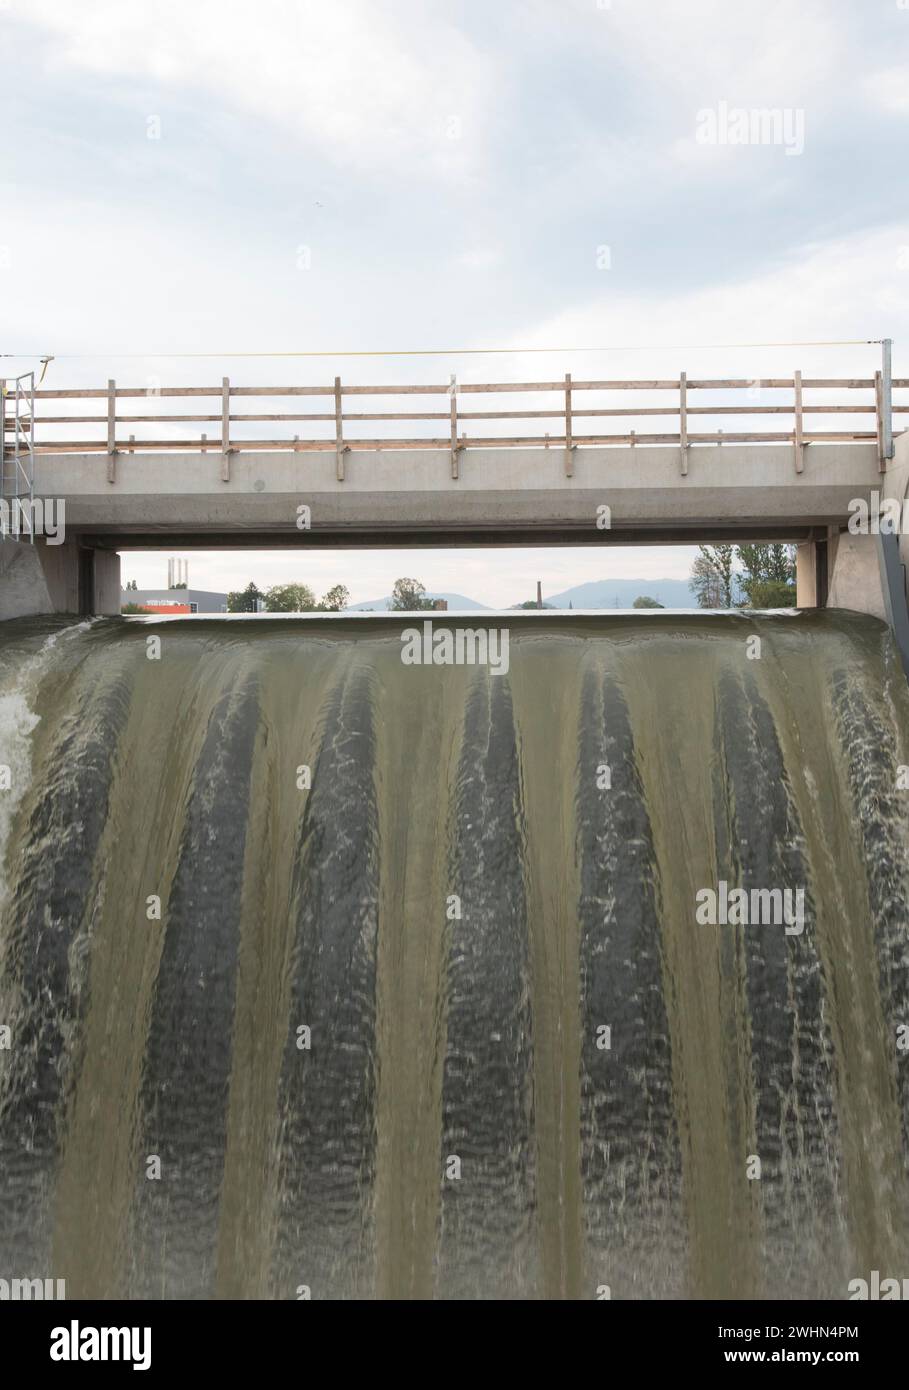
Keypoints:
(112, 432)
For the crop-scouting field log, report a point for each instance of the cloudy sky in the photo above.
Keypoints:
(186, 177)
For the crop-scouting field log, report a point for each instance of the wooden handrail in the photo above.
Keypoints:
(570, 411)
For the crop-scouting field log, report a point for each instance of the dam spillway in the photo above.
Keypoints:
(325, 973)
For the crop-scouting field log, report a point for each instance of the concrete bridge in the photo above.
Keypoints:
(131, 478)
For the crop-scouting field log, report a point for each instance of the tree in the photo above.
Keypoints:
(408, 596)
(290, 598)
(336, 599)
(768, 575)
(181, 585)
(245, 602)
(771, 593)
(131, 585)
(645, 601)
(132, 608)
(712, 576)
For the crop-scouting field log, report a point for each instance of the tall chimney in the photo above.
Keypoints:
(539, 594)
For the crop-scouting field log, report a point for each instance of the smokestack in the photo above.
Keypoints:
(177, 573)
(539, 594)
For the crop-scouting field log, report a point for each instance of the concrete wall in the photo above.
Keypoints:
(868, 572)
(24, 591)
(855, 578)
(42, 578)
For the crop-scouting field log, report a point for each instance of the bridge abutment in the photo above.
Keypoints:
(69, 578)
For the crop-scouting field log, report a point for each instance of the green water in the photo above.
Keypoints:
(456, 905)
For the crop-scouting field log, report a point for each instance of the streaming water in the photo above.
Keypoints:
(530, 1070)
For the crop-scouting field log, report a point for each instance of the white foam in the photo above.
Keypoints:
(18, 722)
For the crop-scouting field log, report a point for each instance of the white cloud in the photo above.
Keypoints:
(480, 258)
(889, 90)
(760, 52)
(848, 288)
(367, 87)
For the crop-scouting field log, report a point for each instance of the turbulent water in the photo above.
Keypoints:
(437, 1017)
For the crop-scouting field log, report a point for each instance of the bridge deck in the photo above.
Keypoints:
(503, 495)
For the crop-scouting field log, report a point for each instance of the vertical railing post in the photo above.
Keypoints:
(569, 461)
(879, 418)
(111, 431)
(798, 437)
(887, 397)
(31, 453)
(340, 446)
(453, 393)
(683, 420)
(225, 429)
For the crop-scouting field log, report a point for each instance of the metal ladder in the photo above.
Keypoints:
(17, 457)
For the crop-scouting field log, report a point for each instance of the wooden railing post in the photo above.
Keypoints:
(225, 429)
(453, 393)
(340, 446)
(111, 431)
(683, 420)
(799, 424)
(569, 461)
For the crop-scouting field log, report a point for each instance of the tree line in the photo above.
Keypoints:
(407, 595)
(751, 576)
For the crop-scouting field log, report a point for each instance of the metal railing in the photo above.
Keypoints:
(119, 430)
(17, 456)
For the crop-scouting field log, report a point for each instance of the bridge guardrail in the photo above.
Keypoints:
(107, 430)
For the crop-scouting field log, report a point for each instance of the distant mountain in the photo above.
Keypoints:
(621, 593)
(454, 601)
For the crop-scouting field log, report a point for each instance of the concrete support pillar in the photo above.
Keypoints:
(806, 575)
(106, 597)
(855, 581)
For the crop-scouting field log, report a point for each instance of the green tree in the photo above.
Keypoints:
(645, 601)
(408, 596)
(712, 576)
(132, 608)
(767, 579)
(336, 599)
(771, 593)
(290, 598)
(246, 601)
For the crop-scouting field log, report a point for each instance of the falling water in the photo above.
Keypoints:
(426, 1010)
